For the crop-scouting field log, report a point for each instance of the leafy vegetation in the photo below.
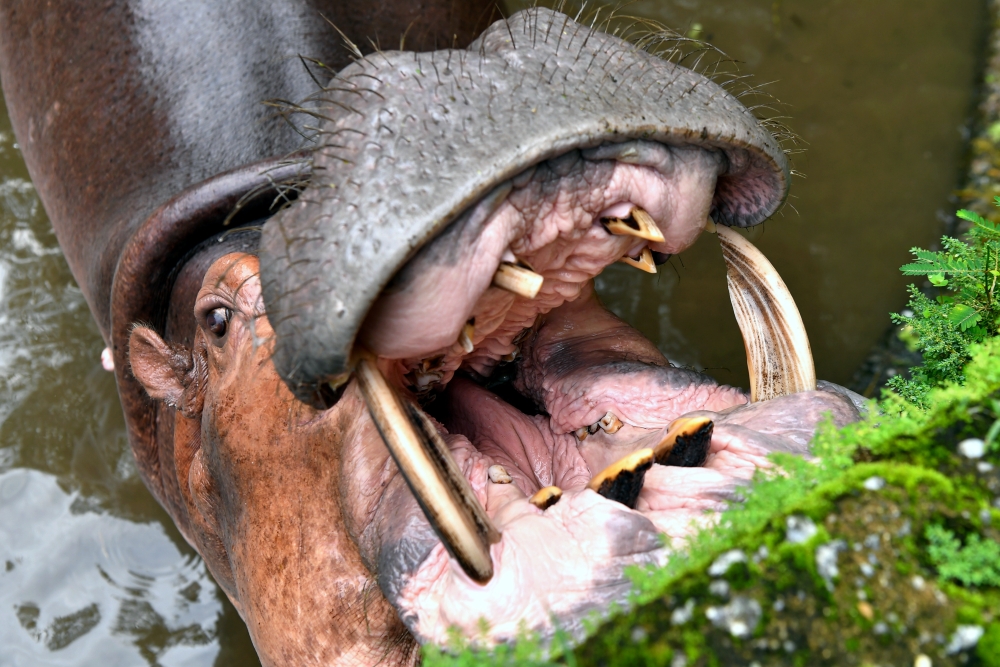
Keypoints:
(943, 328)
(975, 564)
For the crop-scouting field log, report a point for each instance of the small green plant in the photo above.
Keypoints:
(975, 564)
(943, 328)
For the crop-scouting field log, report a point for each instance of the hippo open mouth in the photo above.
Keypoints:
(439, 268)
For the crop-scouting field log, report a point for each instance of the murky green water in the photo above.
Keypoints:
(93, 572)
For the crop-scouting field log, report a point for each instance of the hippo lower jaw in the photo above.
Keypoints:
(588, 390)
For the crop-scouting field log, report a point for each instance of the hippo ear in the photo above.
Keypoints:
(167, 371)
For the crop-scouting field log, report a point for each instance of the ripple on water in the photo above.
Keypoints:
(127, 594)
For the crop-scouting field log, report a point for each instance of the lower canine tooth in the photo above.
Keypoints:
(465, 336)
(443, 493)
(622, 480)
(499, 475)
(778, 354)
(513, 278)
(610, 423)
(686, 443)
(546, 497)
(644, 262)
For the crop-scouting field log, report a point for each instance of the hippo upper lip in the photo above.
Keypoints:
(420, 151)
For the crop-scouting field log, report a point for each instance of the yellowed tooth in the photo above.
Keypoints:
(438, 485)
(546, 497)
(610, 423)
(778, 354)
(499, 475)
(466, 334)
(644, 262)
(638, 223)
(622, 480)
(513, 278)
(582, 433)
(686, 443)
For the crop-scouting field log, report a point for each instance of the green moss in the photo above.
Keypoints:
(988, 649)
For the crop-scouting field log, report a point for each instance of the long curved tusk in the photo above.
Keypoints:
(440, 488)
(778, 354)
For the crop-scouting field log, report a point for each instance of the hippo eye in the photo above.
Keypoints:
(217, 321)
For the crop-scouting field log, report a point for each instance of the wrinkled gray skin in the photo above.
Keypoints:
(415, 139)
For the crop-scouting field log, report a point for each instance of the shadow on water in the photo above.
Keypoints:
(92, 571)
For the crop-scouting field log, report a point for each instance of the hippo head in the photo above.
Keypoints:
(404, 412)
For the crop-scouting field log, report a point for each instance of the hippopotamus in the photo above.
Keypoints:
(342, 254)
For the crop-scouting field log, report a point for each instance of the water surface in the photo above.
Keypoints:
(93, 572)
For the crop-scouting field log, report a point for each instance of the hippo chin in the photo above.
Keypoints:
(396, 408)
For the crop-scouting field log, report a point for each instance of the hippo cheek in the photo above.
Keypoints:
(271, 481)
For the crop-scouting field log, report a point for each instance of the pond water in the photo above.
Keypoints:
(93, 572)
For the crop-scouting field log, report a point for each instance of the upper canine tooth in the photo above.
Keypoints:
(610, 423)
(710, 226)
(778, 354)
(644, 261)
(638, 223)
(466, 334)
(440, 488)
(582, 433)
(513, 278)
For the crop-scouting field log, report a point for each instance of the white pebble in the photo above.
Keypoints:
(498, 475)
(965, 637)
(723, 562)
(922, 661)
(826, 561)
(874, 483)
(740, 617)
(799, 529)
(683, 614)
(972, 448)
(984, 467)
(918, 582)
(719, 588)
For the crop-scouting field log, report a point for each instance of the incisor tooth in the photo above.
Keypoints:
(513, 278)
(686, 443)
(638, 223)
(778, 354)
(644, 262)
(622, 480)
(465, 336)
(440, 488)
(610, 423)
(499, 475)
(546, 497)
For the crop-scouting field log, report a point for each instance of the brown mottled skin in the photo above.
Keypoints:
(142, 124)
